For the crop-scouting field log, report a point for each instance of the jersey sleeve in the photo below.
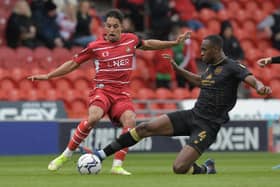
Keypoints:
(138, 40)
(275, 60)
(240, 71)
(84, 55)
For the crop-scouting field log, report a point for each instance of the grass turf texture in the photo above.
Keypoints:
(149, 170)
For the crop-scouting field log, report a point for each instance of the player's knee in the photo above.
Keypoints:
(180, 168)
(128, 119)
(92, 121)
(129, 122)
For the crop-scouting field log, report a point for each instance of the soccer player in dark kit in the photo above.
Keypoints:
(218, 95)
(114, 60)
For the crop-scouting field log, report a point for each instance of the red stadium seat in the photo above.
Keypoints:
(181, 93)
(7, 84)
(258, 16)
(4, 73)
(275, 72)
(249, 26)
(271, 52)
(206, 14)
(4, 15)
(14, 95)
(163, 93)
(268, 7)
(26, 58)
(45, 85)
(43, 56)
(240, 16)
(34, 95)
(241, 35)
(61, 55)
(53, 95)
(79, 109)
(25, 85)
(63, 84)
(214, 26)
(81, 84)
(169, 106)
(146, 93)
(247, 44)
(71, 95)
(223, 15)
(251, 7)
(78, 74)
(233, 7)
(18, 73)
(252, 54)
(8, 58)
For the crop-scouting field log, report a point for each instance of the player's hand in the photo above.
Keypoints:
(38, 77)
(264, 61)
(182, 37)
(172, 61)
(264, 90)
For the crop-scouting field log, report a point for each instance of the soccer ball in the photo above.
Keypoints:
(89, 164)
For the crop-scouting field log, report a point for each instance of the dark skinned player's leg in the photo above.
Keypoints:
(185, 161)
(160, 126)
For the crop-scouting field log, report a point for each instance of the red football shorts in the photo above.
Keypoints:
(113, 103)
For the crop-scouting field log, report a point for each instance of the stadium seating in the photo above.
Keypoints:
(45, 85)
(146, 93)
(79, 109)
(25, 55)
(61, 55)
(63, 84)
(7, 84)
(24, 85)
(206, 14)
(52, 95)
(164, 93)
(9, 60)
(81, 84)
(181, 93)
(17, 64)
(14, 95)
(44, 58)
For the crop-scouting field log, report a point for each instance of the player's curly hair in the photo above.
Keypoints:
(115, 13)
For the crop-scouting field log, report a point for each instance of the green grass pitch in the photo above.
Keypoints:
(149, 170)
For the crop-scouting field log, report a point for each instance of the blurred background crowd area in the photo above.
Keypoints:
(38, 35)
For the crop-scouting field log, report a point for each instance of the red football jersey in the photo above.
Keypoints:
(113, 62)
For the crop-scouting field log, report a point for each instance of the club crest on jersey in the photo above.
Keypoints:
(105, 53)
(128, 49)
(218, 70)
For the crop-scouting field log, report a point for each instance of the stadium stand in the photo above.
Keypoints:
(17, 64)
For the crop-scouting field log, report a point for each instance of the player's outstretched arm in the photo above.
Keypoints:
(65, 68)
(191, 77)
(159, 44)
(258, 85)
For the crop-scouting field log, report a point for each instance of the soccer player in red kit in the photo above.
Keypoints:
(114, 60)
